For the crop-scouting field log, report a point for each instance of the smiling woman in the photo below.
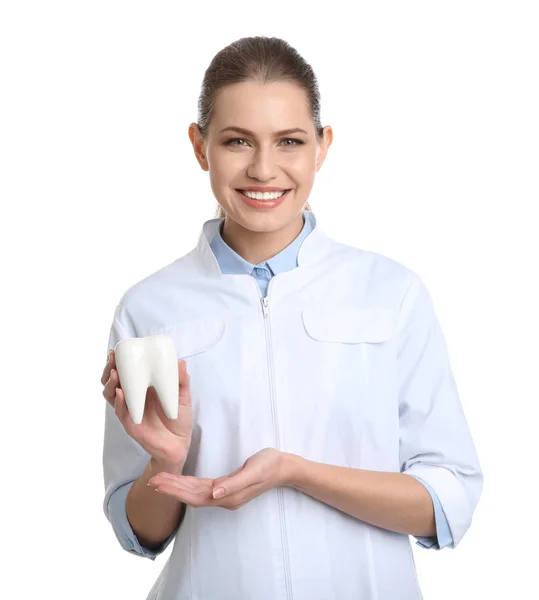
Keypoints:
(264, 90)
(321, 425)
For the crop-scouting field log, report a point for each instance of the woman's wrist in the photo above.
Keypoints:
(157, 466)
(292, 465)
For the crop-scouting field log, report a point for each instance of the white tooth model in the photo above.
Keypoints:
(144, 362)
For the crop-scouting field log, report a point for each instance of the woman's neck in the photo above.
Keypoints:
(256, 247)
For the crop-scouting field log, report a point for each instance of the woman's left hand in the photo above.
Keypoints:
(261, 472)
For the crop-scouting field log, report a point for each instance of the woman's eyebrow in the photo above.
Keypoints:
(278, 133)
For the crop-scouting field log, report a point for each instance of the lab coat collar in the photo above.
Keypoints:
(286, 260)
(313, 248)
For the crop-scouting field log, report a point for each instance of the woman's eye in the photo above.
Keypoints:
(298, 142)
(231, 141)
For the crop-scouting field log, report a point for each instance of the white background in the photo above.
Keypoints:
(434, 163)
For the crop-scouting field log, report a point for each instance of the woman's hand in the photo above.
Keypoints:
(166, 440)
(261, 472)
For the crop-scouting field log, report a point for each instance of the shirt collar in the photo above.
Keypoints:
(230, 262)
(314, 248)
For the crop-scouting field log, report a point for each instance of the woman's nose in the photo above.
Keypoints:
(263, 165)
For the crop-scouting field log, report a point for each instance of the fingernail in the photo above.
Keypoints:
(219, 493)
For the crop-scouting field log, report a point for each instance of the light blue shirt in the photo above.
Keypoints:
(232, 263)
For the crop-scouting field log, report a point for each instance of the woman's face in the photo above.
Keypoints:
(258, 154)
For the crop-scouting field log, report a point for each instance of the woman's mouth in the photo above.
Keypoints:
(265, 200)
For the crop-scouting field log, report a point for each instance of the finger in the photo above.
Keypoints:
(217, 481)
(191, 490)
(107, 368)
(184, 496)
(110, 387)
(197, 485)
(111, 364)
(120, 406)
(237, 482)
(184, 384)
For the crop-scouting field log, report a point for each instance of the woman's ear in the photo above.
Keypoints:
(324, 145)
(198, 146)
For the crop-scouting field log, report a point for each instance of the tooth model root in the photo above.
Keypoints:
(145, 362)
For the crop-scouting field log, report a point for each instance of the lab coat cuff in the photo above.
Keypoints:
(122, 528)
(443, 536)
(451, 494)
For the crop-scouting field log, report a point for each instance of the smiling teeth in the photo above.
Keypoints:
(145, 362)
(263, 195)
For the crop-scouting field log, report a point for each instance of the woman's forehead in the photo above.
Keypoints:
(262, 108)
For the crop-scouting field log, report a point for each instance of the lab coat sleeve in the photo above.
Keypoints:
(443, 535)
(123, 530)
(124, 459)
(435, 442)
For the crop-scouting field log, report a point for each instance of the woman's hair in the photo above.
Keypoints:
(263, 60)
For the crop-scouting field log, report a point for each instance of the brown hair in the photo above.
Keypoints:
(263, 60)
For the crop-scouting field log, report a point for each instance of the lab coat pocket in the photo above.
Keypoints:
(196, 336)
(351, 346)
(351, 389)
(350, 325)
(198, 342)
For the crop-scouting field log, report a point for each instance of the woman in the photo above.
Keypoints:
(319, 422)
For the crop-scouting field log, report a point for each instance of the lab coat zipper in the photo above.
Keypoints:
(284, 538)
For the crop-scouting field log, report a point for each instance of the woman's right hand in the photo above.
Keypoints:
(166, 440)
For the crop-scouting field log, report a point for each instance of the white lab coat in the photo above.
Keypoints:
(346, 365)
